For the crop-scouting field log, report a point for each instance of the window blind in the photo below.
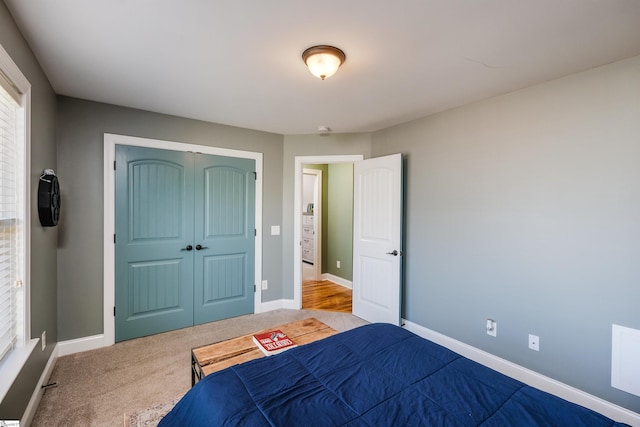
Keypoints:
(10, 242)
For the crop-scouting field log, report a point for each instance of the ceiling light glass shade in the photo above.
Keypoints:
(323, 61)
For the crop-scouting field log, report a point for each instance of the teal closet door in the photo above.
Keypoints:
(154, 225)
(224, 232)
(185, 242)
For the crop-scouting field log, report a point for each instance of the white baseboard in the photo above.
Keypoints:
(528, 376)
(78, 345)
(30, 411)
(278, 304)
(338, 280)
(81, 344)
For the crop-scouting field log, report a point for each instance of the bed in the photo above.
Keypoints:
(374, 375)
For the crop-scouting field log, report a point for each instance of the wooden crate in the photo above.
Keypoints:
(214, 357)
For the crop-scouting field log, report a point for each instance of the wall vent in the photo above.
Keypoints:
(625, 353)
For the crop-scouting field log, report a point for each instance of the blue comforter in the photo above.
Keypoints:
(375, 375)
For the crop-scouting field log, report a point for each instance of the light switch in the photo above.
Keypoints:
(492, 327)
(275, 230)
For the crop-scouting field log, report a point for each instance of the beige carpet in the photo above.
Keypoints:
(96, 388)
(149, 416)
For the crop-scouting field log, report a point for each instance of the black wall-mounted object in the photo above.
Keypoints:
(49, 199)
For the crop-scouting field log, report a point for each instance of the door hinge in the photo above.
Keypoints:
(114, 237)
(114, 311)
(114, 165)
(255, 232)
(254, 288)
(255, 176)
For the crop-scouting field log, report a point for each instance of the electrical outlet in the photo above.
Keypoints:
(534, 342)
(265, 285)
(492, 327)
(44, 340)
(338, 264)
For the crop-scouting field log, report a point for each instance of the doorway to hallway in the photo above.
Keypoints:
(376, 234)
(330, 267)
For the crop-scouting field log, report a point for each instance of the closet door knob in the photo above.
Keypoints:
(199, 247)
(188, 248)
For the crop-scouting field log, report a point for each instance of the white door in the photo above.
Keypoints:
(377, 238)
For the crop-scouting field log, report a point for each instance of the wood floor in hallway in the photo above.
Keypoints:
(325, 295)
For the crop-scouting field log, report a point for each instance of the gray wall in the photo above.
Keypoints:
(43, 240)
(525, 208)
(309, 145)
(339, 228)
(81, 126)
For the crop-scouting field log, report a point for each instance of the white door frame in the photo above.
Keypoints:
(297, 218)
(110, 142)
(317, 221)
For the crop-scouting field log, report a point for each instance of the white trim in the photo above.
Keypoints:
(32, 407)
(110, 141)
(11, 369)
(528, 376)
(278, 304)
(12, 71)
(297, 200)
(272, 305)
(289, 304)
(337, 280)
(79, 345)
(12, 365)
(27, 214)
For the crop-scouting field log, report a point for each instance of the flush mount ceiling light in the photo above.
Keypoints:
(323, 61)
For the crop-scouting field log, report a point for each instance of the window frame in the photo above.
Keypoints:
(12, 364)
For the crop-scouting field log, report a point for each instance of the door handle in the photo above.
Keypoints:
(188, 248)
(200, 247)
(394, 253)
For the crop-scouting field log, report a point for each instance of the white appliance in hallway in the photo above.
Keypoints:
(311, 225)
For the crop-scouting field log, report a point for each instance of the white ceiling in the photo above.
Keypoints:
(238, 62)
